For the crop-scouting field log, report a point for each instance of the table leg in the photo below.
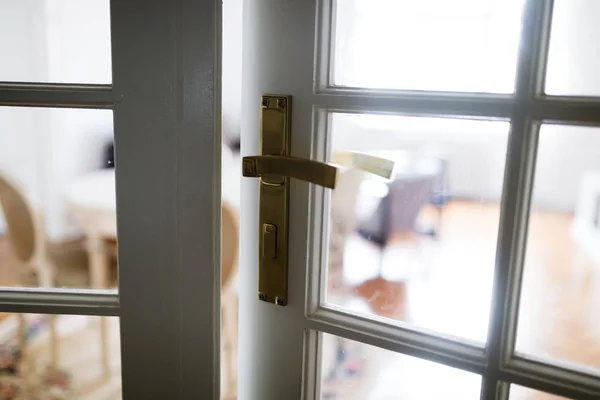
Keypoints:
(98, 259)
(99, 266)
(104, 346)
(54, 354)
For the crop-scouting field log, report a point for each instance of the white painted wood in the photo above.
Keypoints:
(278, 58)
(166, 102)
(166, 77)
(516, 195)
(287, 51)
(55, 95)
(571, 381)
(399, 337)
(60, 301)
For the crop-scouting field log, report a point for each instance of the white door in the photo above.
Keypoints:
(163, 94)
(437, 261)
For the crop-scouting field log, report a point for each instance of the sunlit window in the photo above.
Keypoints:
(464, 45)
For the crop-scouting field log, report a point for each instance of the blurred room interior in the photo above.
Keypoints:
(419, 247)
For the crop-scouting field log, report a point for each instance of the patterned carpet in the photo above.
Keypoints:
(79, 346)
(20, 376)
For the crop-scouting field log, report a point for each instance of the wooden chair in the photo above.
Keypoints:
(229, 296)
(28, 241)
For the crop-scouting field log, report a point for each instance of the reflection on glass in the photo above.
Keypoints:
(59, 356)
(55, 41)
(573, 60)
(354, 371)
(57, 198)
(419, 247)
(465, 45)
(524, 393)
(558, 316)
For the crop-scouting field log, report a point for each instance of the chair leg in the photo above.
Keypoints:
(104, 347)
(46, 273)
(234, 340)
(99, 266)
(22, 334)
(230, 327)
(54, 347)
(24, 366)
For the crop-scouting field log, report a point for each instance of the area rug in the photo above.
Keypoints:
(346, 372)
(43, 383)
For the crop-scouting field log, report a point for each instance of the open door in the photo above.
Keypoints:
(160, 84)
(454, 94)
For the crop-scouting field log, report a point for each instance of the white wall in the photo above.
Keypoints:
(232, 68)
(45, 149)
(475, 150)
(78, 48)
(23, 58)
(476, 153)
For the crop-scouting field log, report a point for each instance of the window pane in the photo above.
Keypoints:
(421, 246)
(353, 370)
(57, 196)
(465, 45)
(55, 41)
(69, 364)
(573, 60)
(524, 393)
(561, 281)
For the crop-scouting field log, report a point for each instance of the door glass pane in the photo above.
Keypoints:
(67, 364)
(464, 46)
(57, 191)
(355, 371)
(419, 247)
(558, 316)
(573, 60)
(524, 393)
(55, 41)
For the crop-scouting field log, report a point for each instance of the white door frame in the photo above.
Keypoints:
(279, 345)
(165, 98)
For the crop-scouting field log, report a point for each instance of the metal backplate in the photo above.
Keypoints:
(276, 112)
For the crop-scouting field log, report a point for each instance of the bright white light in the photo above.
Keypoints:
(465, 45)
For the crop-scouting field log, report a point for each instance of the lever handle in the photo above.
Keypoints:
(365, 162)
(319, 173)
(316, 172)
(273, 167)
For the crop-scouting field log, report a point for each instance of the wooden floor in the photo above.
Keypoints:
(445, 285)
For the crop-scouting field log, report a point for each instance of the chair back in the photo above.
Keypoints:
(19, 220)
(229, 243)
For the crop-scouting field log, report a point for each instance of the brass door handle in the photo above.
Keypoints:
(319, 173)
(365, 162)
(273, 167)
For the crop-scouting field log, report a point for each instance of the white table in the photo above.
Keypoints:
(92, 202)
